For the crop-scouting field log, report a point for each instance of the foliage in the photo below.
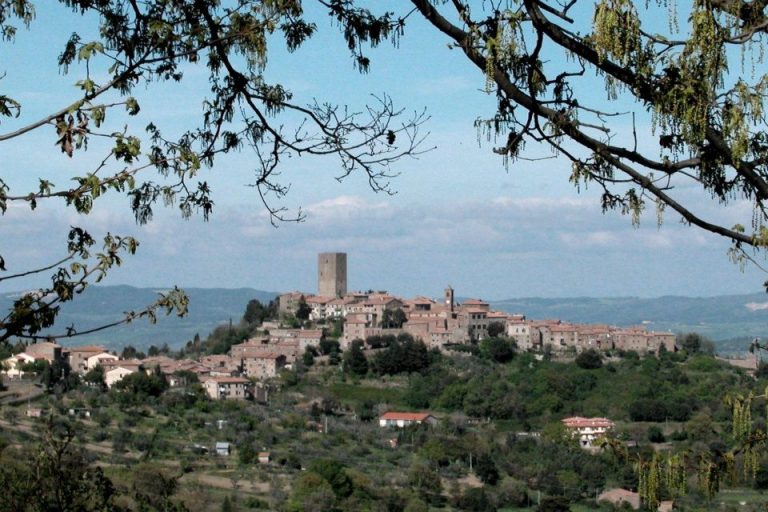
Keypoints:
(393, 318)
(303, 310)
(131, 45)
(589, 359)
(655, 435)
(425, 481)
(333, 472)
(650, 409)
(475, 499)
(55, 475)
(694, 343)
(37, 367)
(496, 329)
(140, 385)
(354, 359)
(59, 377)
(256, 312)
(554, 504)
(380, 341)
(486, 470)
(308, 358)
(403, 356)
(501, 350)
(329, 346)
(705, 113)
(130, 352)
(95, 377)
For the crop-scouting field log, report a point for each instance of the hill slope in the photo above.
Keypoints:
(99, 305)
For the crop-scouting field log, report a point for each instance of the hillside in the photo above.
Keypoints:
(208, 307)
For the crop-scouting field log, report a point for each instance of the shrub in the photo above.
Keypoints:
(655, 435)
(589, 360)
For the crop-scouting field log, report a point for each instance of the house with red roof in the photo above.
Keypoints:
(405, 419)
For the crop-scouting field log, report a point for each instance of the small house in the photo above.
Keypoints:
(223, 449)
(405, 419)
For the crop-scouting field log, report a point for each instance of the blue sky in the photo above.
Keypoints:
(459, 217)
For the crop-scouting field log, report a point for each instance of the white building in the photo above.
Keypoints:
(588, 429)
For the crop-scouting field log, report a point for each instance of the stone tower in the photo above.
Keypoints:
(449, 298)
(331, 274)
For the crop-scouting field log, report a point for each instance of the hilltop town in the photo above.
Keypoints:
(439, 324)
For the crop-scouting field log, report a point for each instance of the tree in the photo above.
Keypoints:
(496, 329)
(393, 318)
(693, 343)
(95, 377)
(55, 474)
(303, 310)
(501, 350)
(308, 359)
(589, 359)
(125, 46)
(333, 472)
(554, 504)
(354, 359)
(486, 470)
(256, 312)
(130, 352)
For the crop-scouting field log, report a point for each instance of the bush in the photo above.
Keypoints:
(404, 356)
(501, 350)
(589, 360)
(655, 435)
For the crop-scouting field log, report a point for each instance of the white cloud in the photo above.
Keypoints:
(503, 247)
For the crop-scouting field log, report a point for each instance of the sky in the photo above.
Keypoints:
(458, 218)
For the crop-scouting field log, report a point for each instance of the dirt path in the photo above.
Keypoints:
(223, 482)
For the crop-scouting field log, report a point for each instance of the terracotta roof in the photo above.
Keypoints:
(474, 302)
(405, 416)
(228, 380)
(375, 301)
(265, 355)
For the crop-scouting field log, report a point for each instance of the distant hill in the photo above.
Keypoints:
(721, 318)
(731, 320)
(99, 305)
